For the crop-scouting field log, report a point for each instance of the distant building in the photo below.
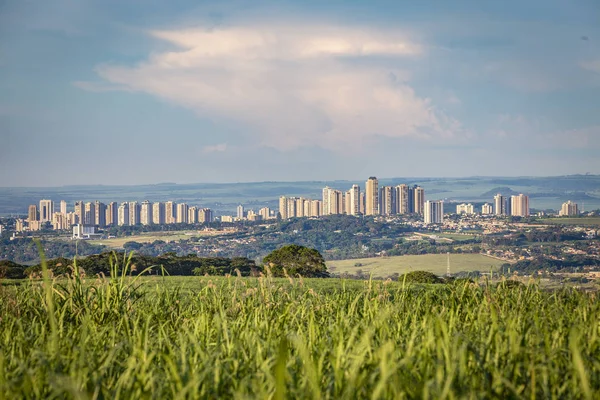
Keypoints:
(419, 200)
(283, 207)
(79, 212)
(32, 213)
(434, 212)
(60, 221)
(316, 207)
(112, 214)
(123, 214)
(100, 214)
(84, 231)
(403, 203)
(89, 216)
(354, 200)
(158, 213)
(192, 215)
(487, 209)
(519, 205)
(387, 200)
(146, 213)
(464, 208)
(170, 212)
(372, 196)
(46, 210)
(63, 207)
(569, 209)
(134, 213)
(240, 212)
(501, 205)
(205, 215)
(182, 213)
(226, 218)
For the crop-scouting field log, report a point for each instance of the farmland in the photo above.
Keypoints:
(117, 243)
(208, 337)
(585, 221)
(436, 263)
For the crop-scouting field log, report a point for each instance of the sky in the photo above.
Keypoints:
(146, 91)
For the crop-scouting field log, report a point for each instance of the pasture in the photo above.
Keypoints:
(117, 243)
(584, 221)
(435, 263)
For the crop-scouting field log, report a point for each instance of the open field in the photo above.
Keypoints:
(211, 337)
(117, 243)
(436, 263)
(586, 221)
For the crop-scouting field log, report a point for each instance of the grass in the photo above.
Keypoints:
(436, 263)
(207, 337)
(584, 221)
(117, 243)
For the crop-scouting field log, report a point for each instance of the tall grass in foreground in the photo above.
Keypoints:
(203, 337)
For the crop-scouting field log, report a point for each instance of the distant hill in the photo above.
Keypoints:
(503, 190)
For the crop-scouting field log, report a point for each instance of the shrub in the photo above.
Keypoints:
(420, 277)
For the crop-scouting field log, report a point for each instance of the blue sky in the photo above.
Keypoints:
(132, 92)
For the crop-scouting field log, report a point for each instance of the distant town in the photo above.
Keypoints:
(85, 218)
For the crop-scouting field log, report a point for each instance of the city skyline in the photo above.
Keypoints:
(296, 90)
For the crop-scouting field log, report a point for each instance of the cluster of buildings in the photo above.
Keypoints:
(374, 200)
(112, 214)
(517, 206)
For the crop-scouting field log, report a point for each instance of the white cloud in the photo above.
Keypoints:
(217, 148)
(593, 66)
(293, 86)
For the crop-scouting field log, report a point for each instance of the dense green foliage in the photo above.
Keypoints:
(167, 263)
(25, 250)
(420, 277)
(165, 337)
(296, 260)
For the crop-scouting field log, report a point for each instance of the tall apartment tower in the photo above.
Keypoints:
(519, 205)
(354, 200)
(569, 209)
(63, 207)
(205, 215)
(419, 200)
(146, 213)
(434, 212)
(46, 210)
(170, 212)
(403, 194)
(158, 213)
(79, 212)
(240, 211)
(316, 208)
(325, 210)
(501, 205)
(182, 213)
(283, 207)
(89, 216)
(32, 213)
(100, 214)
(123, 214)
(387, 200)
(487, 209)
(134, 213)
(192, 215)
(112, 214)
(372, 196)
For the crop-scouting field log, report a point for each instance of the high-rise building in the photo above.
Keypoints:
(387, 200)
(434, 212)
(134, 213)
(353, 199)
(240, 212)
(100, 216)
(291, 207)
(146, 213)
(123, 214)
(182, 213)
(170, 212)
(569, 209)
(60, 221)
(487, 209)
(419, 200)
(501, 205)
(205, 215)
(283, 207)
(519, 205)
(372, 196)
(63, 207)
(32, 213)
(265, 212)
(158, 213)
(299, 207)
(403, 196)
(112, 214)
(306, 206)
(192, 215)
(79, 212)
(316, 207)
(89, 217)
(465, 209)
(46, 210)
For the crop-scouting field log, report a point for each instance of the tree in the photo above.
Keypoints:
(296, 260)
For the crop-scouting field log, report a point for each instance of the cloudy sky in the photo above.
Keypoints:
(146, 91)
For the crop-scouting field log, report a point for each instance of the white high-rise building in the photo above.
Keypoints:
(372, 196)
(89, 217)
(403, 199)
(123, 214)
(519, 205)
(265, 213)
(283, 207)
(205, 215)
(464, 208)
(182, 213)
(158, 213)
(434, 212)
(419, 200)
(240, 212)
(46, 210)
(487, 209)
(569, 209)
(134, 213)
(146, 213)
(354, 200)
(63, 207)
(170, 212)
(192, 215)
